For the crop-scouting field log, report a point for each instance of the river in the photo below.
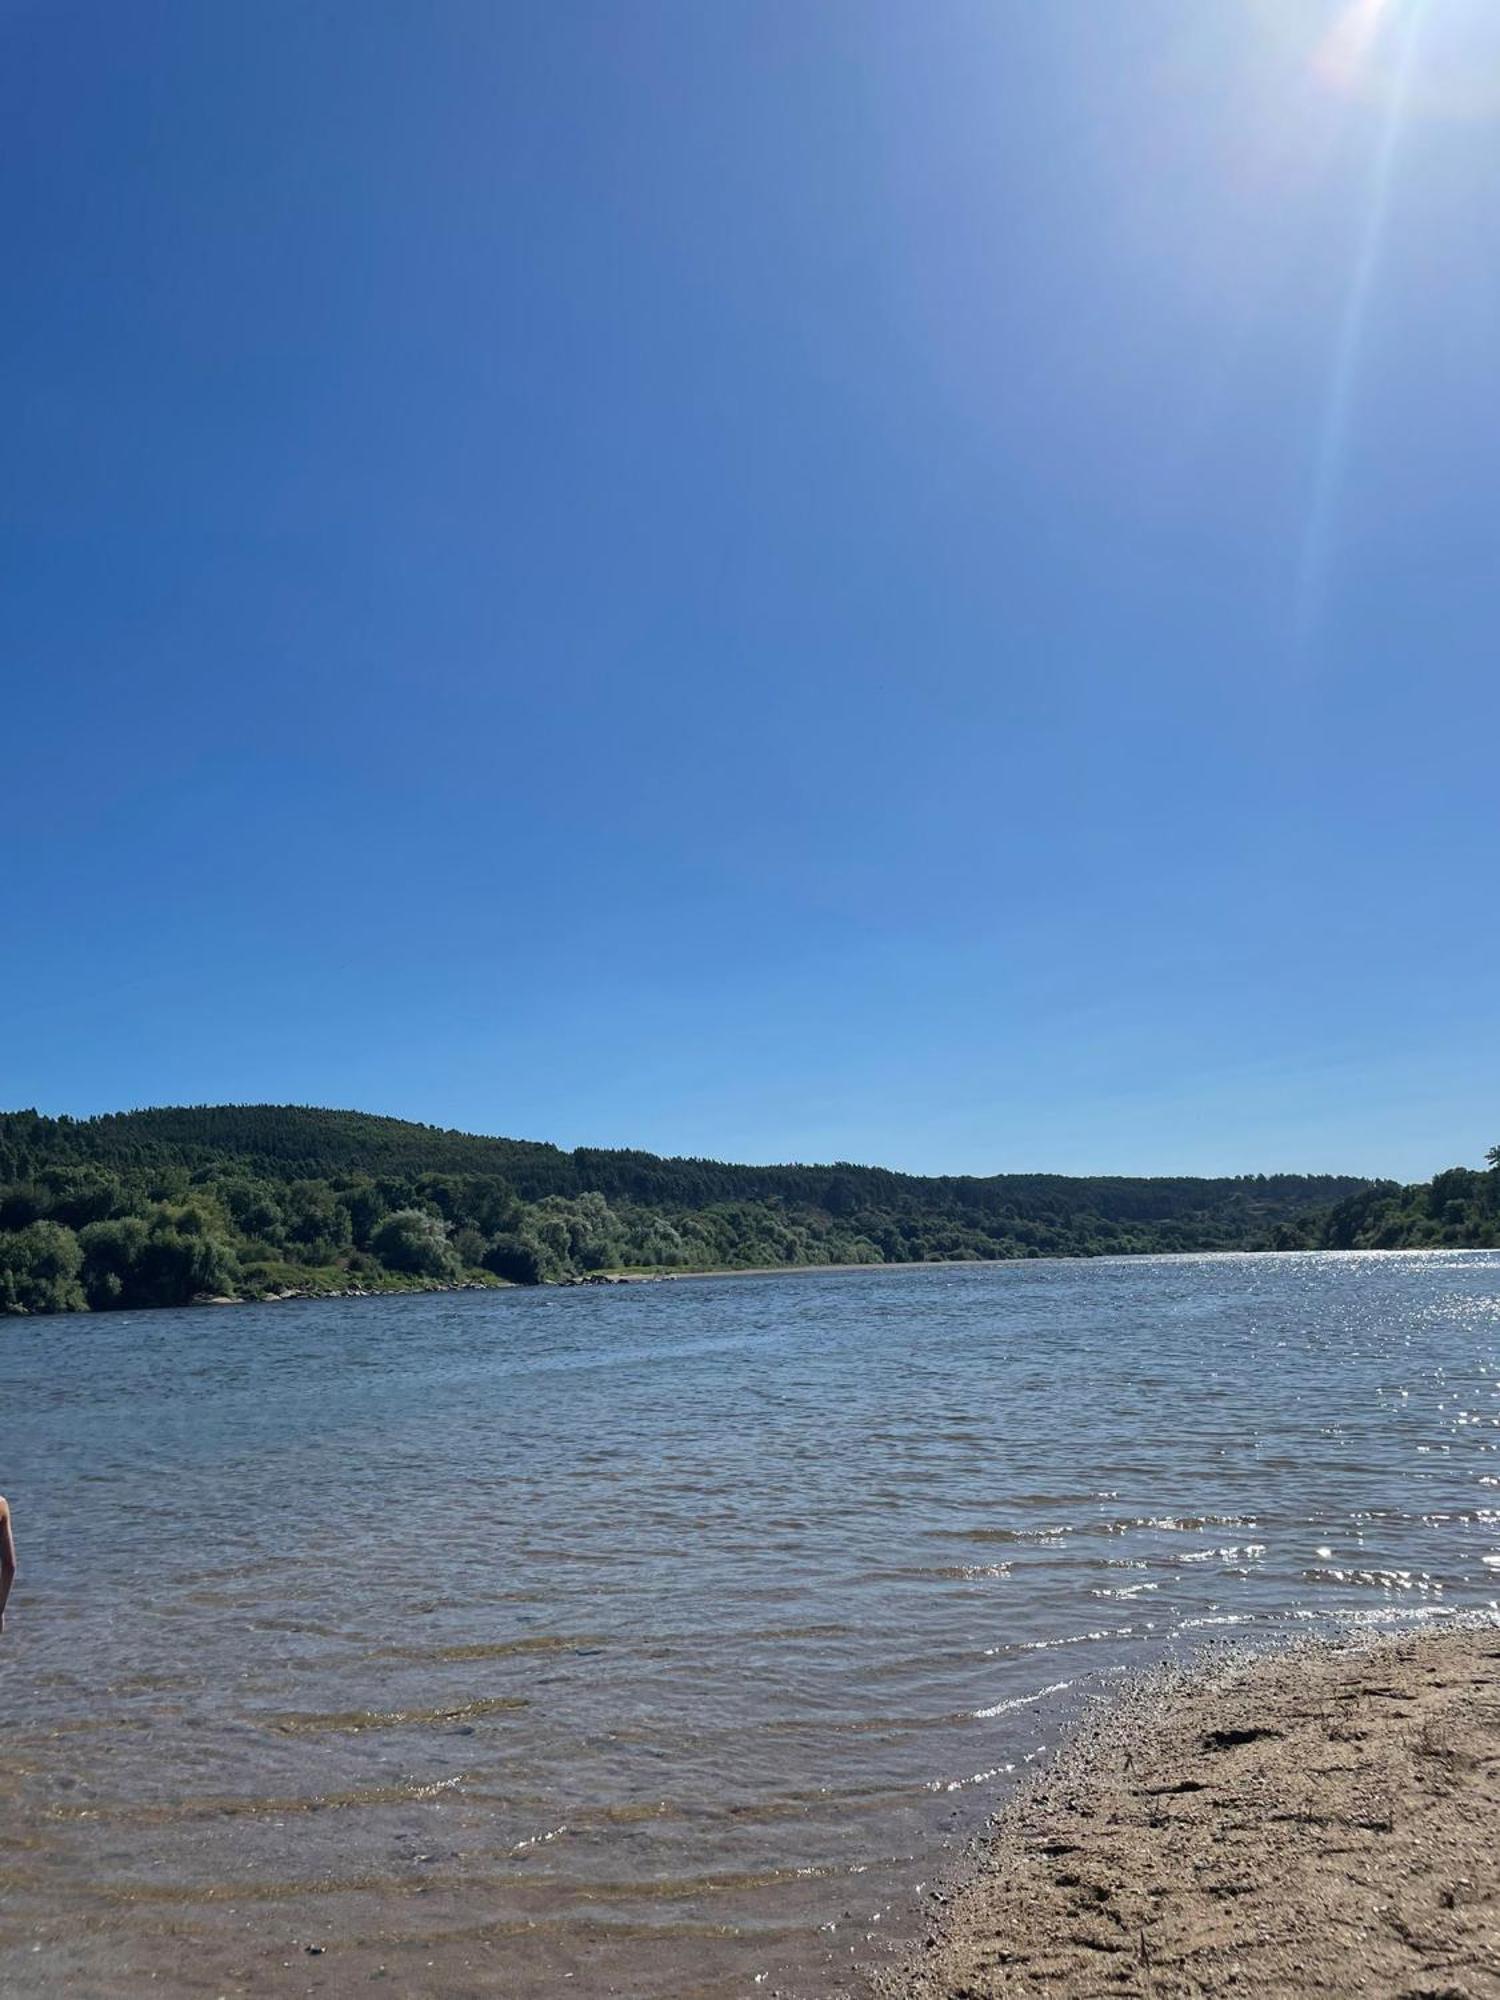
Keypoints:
(665, 1639)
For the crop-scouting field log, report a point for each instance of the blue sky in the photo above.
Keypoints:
(807, 579)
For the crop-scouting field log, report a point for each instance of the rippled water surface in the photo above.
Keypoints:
(657, 1639)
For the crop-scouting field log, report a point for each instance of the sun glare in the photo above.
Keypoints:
(1344, 54)
(1362, 52)
(1400, 63)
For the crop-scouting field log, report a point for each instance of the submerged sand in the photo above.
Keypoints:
(1323, 1821)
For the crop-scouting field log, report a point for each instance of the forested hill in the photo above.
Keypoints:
(292, 1143)
(161, 1207)
(1459, 1209)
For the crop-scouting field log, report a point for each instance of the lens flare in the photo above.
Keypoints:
(1363, 19)
(1355, 51)
(1344, 53)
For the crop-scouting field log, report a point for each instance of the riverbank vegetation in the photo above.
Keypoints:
(1459, 1209)
(153, 1208)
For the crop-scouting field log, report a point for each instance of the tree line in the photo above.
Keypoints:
(1456, 1210)
(161, 1207)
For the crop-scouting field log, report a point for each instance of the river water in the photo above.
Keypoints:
(664, 1639)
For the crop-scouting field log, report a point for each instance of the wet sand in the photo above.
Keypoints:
(1325, 1821)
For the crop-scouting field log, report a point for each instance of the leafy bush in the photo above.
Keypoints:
(516, 1258)
(417, 1243)
(166, 1260)
(39, 1269)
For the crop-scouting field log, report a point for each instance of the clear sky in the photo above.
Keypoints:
(906, 580)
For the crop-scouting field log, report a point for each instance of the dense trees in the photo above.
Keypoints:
(517, 1259)
(164, 1259)
(159, 1207)
(39, 1269)
(416, 1241)
(1459, 1209)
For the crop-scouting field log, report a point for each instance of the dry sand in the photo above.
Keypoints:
(1323, 1821)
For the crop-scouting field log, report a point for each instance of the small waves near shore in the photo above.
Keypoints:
(668, 1640)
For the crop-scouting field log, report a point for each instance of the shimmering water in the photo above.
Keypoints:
(656, 1640)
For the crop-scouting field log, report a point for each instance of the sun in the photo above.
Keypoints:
(1347, 50)
(1441, 56)
(1445, 54)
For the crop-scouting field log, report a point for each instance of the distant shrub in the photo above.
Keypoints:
(175, 1256)
(414, 1242)
(516, 1259)
(39, 1270)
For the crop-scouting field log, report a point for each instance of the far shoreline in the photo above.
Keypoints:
(604, 1280)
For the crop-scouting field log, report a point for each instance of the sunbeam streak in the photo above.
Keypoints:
(1347, 45)
(1333, 432)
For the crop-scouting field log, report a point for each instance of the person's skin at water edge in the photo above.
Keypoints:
(7, 1558)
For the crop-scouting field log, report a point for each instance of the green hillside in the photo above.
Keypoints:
(160, 1207)
(1459, 1209)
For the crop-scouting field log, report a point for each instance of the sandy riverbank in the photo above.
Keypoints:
(422, 1287)
(663, 1275)
(1325, 1821)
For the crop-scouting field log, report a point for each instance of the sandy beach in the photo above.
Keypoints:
(1323, 1821)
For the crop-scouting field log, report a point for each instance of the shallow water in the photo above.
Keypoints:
(663, 1639)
